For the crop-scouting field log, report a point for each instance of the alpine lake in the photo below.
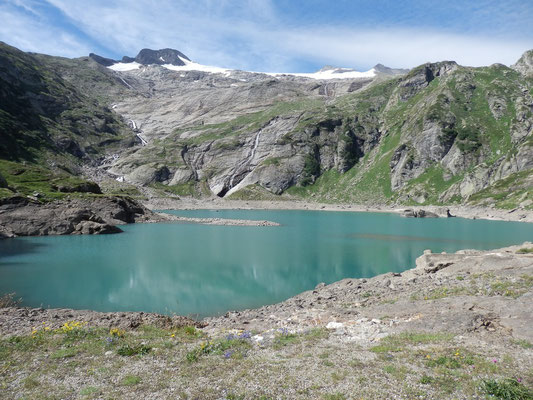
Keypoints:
(204, 270)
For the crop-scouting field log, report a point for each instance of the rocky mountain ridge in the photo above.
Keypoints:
(440, 133)
(146, 57)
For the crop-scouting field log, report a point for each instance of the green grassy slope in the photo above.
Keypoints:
(49, 126)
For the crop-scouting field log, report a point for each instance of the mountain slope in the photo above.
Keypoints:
(439, 133)
(442, 133)
(51, 125)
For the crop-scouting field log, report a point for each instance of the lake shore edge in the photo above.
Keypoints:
(427, 263)
(382, 337)
(468, 212)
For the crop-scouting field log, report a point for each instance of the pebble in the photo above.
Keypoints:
(334, 325)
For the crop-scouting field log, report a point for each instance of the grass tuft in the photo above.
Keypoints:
(506, 389)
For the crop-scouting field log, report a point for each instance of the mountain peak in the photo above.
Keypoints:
(146, 57)
(161, 57)
(525, 64)
(383, 69)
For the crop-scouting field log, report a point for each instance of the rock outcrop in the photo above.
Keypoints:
(160, 57)
(413, 213)
(525, 64)
(20, 216)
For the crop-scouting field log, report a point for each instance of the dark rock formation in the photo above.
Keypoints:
(20, 216)
(106, 62)
(163, 56)
(83, 187)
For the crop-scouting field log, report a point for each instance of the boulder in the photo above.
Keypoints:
(82, 187)
(410, 213)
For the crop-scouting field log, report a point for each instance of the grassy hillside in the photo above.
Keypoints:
(50, 126)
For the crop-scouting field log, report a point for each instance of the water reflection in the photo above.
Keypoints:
(205, 270)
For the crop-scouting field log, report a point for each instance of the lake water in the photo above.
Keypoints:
(203, 270)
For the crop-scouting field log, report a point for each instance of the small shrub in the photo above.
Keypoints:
(317, 334)
(233, 346)
(506, 389)
(75, 330)
(130, 380)
(445, 361)
(89, 390)
(116, 332)
(426, 380)
(523, 343)
(64, 353)
(525, 250)
(385, 348)
(8, 300)
(233, 396)
(31, 383)
(334, 396)
(128, 351)
(284, 338)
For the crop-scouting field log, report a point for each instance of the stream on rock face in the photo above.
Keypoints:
(204, 270)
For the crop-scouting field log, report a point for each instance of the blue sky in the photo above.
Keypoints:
(277, 35)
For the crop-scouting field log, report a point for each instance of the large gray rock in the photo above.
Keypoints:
(20, 216)
(525, 64)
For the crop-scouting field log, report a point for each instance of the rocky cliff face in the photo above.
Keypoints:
(439, 133)
(525, 64)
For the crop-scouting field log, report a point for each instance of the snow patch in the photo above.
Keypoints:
(121, 67)
(192, 66)
(336, 73)
(323, 74)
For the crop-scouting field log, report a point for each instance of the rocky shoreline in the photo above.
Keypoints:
(520, 215)
(22, 216)
(350, 302)
(445, 329)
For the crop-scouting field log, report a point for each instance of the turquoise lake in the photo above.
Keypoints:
(203, 270)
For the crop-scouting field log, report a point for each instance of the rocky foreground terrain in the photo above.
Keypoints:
(457, 326)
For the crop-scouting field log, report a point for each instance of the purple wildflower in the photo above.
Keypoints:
(245, 335)
(228, 354)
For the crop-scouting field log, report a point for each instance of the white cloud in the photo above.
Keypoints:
(401, 47)
(28, 33)
(247, 34)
